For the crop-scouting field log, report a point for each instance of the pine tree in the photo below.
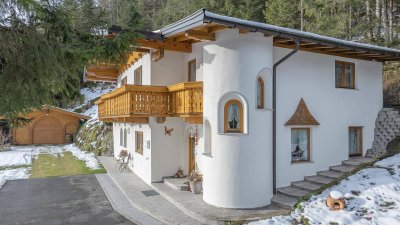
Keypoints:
(43, 48)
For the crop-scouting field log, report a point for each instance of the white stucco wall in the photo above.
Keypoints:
(140, 164)
(312, 77)
(238, 174)
(145, 62)
(197, 54)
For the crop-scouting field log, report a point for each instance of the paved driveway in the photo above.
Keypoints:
(56, 201)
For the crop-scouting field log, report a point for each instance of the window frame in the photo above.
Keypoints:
(190, 72)
(360, 128)
(308, 144)
(344, 82)
(262, 92)
(241, 116)
(136, 74)
(139, 142)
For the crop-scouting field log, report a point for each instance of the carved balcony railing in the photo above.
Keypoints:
(136, 103)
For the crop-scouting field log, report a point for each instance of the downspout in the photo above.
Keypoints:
(297, 41)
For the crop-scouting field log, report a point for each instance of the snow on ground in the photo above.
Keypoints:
(91, 93)
(89, 158)
(13, 174)
(18, 156)
(372, 197)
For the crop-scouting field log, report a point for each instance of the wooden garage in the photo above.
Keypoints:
(50, 125)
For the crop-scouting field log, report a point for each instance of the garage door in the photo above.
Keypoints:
(48, 130)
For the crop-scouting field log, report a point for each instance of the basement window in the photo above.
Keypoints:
(345, 75)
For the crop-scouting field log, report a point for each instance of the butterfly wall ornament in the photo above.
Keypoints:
(168, 131)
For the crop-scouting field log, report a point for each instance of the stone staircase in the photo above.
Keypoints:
(287, 197)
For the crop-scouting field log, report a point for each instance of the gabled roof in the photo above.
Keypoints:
(302, 116)
(286, 36)
(46, 107)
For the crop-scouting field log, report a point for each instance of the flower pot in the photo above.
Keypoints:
(196, 187)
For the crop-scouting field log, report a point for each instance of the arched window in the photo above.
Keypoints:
(260, 93)
(233, 116)
(121, 137)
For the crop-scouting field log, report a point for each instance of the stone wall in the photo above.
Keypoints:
(97, 137)
(387, 127)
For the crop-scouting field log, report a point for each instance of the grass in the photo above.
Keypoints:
(61, 165)
(13, 167)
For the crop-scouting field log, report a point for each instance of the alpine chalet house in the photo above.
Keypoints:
(253, 107)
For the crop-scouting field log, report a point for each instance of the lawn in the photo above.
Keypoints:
(65, 164)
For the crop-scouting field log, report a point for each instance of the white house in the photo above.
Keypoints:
(252, 106)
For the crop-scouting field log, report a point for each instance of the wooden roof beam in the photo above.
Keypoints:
(199, 35)
(167, 45)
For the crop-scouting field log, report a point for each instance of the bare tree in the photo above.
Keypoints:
(4, 140)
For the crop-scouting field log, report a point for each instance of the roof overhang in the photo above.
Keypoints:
(208, 23)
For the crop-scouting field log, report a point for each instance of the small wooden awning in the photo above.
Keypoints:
(302, 116)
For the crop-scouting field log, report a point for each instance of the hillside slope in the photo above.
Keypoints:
(94, 135)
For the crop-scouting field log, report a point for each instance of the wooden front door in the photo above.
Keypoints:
(192, 155)
(355, 141)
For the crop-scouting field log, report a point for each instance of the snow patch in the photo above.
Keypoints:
(13, 174)
(372, 197)
(89, 158)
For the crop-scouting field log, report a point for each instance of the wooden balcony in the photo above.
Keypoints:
(136, 103)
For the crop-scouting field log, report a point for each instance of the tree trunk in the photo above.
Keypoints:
(385, 21)
(390, 18)
(369, 19)
(378, 19)
(301, 15)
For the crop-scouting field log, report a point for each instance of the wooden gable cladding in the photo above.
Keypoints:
(302, 116)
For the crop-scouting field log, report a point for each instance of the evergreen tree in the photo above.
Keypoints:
(42, 48)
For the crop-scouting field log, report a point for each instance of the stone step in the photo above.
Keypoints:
(318, 179)
(342, 169)
(330, 174)
(292, 192)
(284, 201)
(305, 185)
(356, 161)
(179, 184)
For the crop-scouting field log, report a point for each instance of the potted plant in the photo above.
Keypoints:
(196, 182)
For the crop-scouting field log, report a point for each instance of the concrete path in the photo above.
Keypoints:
(121, 204)
(144, 198)
(77, 200)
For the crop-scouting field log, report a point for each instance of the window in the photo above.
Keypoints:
(125, 138)
(139, 142)
(138, 76)
(355, 141)
(344, 75)
(124, 81)
(207, 137)
(300, 144)
(233, 117)
(260, 93)
(192, 71)
(121, 137)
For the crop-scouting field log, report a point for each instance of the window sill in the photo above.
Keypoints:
(301, 162)
(207, 154)
(233, 134)
(346, 88)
